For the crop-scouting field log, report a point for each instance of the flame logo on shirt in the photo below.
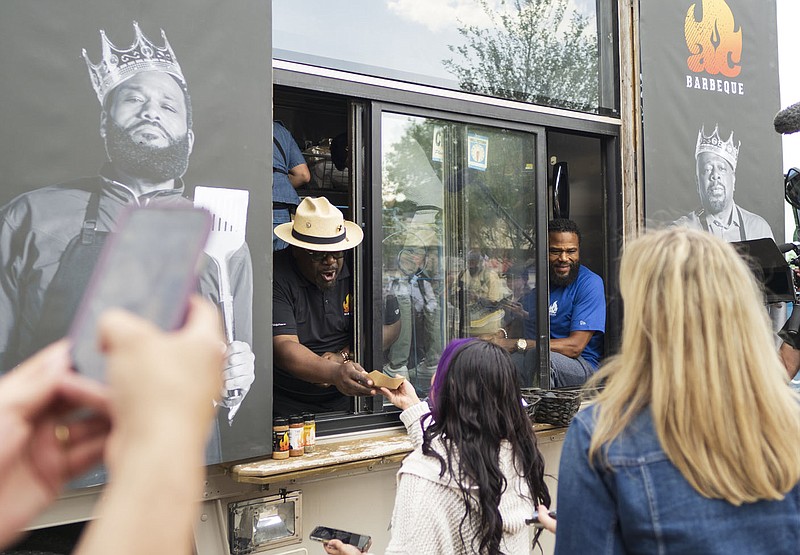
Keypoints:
(714, 40)
(346, 305)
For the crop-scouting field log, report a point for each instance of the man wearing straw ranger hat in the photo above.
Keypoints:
(312, 322)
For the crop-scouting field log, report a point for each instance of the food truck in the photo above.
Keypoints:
(463, 127)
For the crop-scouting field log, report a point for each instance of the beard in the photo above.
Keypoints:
(715, 205)
(558, 281)
(156, 164)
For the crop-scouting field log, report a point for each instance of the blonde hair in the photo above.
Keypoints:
(697, 348)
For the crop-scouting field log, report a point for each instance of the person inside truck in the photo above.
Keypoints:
(135, 425)
(289, 172)
(577, 309)
(312, 322)
(476, 476)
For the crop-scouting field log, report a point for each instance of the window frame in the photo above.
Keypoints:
(375, 96)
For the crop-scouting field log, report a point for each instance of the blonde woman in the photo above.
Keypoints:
(693, 445)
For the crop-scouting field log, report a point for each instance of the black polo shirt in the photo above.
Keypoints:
(321, 320)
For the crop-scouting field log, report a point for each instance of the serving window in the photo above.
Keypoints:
(454, 208)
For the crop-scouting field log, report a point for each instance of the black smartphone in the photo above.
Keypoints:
(148, 266)
(535, 519)
(324, 534)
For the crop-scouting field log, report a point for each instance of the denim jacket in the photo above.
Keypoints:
(642, 504)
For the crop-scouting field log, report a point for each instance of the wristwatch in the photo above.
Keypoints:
(522, 345)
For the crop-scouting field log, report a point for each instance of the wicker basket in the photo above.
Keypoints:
(531, 400)
(553, 406)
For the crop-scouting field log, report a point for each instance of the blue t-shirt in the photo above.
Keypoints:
(580, 306)
(282, 190)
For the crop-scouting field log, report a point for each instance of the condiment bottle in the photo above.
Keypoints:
(280, 438)
(310, 429)
(296, 429)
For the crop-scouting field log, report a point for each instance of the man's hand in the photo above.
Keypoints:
(499, 338)
(352, 379)
(238, 375)
(44, 444)
(514, 307)
(403, 397)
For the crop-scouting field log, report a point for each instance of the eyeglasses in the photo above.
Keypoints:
(319, 256)
(792, 187)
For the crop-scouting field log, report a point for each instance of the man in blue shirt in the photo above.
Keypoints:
(289, 171)
(577, 310)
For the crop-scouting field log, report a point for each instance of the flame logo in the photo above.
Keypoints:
(714, 40)
(346, 305)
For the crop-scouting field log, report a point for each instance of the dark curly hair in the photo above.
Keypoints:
(563, 225)
(475, 404)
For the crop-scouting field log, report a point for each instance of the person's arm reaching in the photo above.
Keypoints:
(349, 377)
(161, 390)
(405, 398)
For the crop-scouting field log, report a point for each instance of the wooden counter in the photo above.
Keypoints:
(333, 456)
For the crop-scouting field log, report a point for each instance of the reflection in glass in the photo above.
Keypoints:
(413, 202)
(458, 238)
(537, 51)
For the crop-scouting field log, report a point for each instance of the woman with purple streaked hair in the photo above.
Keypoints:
(475, 476)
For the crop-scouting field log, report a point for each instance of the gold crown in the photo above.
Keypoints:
(118, 65)
(714, 144)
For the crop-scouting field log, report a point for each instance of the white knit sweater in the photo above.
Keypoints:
(428, 509)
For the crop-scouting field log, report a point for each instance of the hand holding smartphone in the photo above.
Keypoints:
(535, 519)
(149, 267)
(325, 534)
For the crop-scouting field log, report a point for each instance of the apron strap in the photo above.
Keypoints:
(742, 233)
(90, 219)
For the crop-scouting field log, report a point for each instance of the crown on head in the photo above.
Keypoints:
(119, 65)
(713, 143)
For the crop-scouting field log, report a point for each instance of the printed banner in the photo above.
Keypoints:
(113, 104)
(712, 159)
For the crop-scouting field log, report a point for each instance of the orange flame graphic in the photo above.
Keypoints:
(714, 40)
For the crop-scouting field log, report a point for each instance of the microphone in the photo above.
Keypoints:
(787, 121)
(789, 247)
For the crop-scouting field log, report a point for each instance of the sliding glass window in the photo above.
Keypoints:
(458, 249)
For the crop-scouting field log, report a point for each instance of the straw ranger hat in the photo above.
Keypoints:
(320, 226)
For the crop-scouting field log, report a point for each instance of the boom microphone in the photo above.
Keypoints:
(787, 121)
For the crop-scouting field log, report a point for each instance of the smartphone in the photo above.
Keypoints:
(324, 534)
(535, 519)
(148, 266)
